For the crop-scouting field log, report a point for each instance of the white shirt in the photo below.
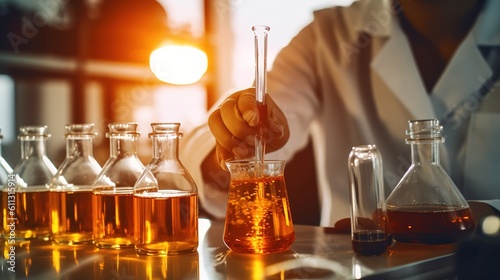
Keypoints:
(349, 78)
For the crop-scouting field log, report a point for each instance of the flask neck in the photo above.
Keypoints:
(79, 148)
(425, 153)
(165, 147)
(33, 148)
(123, 147)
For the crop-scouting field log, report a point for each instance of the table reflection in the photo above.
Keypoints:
(316, 254)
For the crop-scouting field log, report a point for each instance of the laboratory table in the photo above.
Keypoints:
(318, 253)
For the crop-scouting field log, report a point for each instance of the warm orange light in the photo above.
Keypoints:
(178, 65)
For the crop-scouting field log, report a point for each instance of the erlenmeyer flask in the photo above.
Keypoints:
(113, 190)
(29, 192)
(166, 199)
(71, 188)
(426, 206)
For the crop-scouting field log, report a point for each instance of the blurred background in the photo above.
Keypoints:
(102, 61)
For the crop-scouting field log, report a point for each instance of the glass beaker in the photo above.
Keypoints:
(28, 192)
(5, 171)
(258, 216)
(368, 210)
(113, 189)
(426, 205)
(71, 188)
(166, 199)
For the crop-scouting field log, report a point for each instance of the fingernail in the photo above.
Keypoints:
(251, 117)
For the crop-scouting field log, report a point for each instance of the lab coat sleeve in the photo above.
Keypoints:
(293, 85)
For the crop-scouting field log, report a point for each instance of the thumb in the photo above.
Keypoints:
(247, 105)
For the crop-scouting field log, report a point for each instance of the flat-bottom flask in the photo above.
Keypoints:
(113, 189)
(258, 216)
(27, 195)
(166, 199)
(426, 206)
(71, 188)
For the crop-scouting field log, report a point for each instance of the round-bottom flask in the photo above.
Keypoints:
(426, 206)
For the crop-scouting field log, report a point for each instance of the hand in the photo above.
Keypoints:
(235, 123)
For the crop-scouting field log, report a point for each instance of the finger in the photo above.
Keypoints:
(223, 155)
(278, 131)
(235, 146)
(247, 105)
(233, 120)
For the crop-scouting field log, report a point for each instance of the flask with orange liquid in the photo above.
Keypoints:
(71, 188)
(113, 189)
(165, 199)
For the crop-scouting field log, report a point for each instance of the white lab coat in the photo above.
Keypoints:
(349, 78)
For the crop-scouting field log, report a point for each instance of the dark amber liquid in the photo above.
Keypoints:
(166, 222)
(258, 217)
(71, 216)
(31, 214)
(113, 218)
(369, 242)
(430, 224)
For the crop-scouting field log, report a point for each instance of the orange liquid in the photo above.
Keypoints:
(166, 222)
(113, 218)
(71, 216)
(430, 224)
(30, 216)
(258, 217)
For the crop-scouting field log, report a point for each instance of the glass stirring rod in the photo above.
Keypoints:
(260, 32)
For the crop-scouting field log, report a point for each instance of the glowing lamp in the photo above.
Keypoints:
(178, 65)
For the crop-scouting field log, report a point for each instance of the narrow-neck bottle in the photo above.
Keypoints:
(113, 189)
(166, 199)
(71, 188)
(426, 205)
(29, 192)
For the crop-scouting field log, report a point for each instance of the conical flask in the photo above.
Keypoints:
(5, 171)
(426, 205)
(29, 192)
(71, 188)
(113, 190)
(166, 199)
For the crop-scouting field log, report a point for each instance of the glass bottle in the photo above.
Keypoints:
(258, 216)
(166, 199)
(368, 211)
(113, 189)
(29, 194)
(5, 171)
(426, 206)
(71, 188)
